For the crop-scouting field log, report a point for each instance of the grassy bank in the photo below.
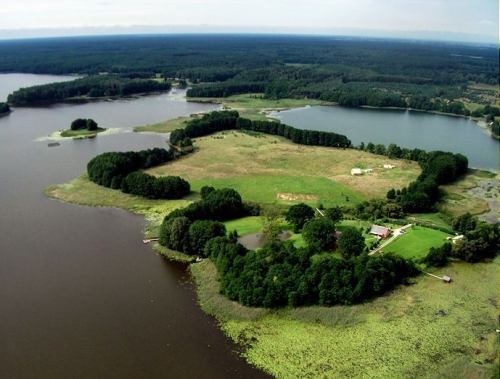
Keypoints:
(165, 126)
(84, 192)
(82, 133)
(426, 330)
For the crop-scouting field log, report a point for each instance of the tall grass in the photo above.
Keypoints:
(427, 330)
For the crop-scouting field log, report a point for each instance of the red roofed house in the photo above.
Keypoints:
(380, 231)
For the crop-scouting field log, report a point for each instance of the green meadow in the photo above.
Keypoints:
(417, 241)
(285, 189)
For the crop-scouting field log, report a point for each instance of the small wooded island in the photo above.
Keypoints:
(82, 128)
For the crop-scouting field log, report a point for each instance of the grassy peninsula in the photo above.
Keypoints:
(426, 330)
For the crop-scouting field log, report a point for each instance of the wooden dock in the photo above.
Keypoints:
(445, 278)
(150, 240)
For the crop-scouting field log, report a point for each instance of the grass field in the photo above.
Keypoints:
(271, 169)
(426, 330)
(416, 242)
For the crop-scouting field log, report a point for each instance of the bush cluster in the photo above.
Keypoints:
(120, 170)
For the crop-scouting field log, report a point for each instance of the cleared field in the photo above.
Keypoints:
(272, 169)
(416, 242)
(426, 330)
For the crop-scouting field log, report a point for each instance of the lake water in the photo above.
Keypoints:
(80, 295)
(405, 128)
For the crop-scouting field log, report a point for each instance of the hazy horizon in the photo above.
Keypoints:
(447, 20)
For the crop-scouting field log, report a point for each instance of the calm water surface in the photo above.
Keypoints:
(80, 295)
(405, 128)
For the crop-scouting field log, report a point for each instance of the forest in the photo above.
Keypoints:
(87, 87)
(122, 171)
(351, 71)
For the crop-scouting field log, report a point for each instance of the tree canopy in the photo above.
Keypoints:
(298, 215)
(351, 242)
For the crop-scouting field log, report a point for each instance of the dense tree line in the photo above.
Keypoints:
(121, 170)
(4, 108)
(299, 136)
(225, 120)
(354, 71)
(209, 123)
(91, 87)
(279, 275)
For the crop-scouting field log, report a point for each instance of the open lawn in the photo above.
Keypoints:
(272, 169)
(416, 242)
(427, 330)
(245, 225)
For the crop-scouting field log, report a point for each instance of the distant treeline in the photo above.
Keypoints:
(226, 120)
(351, 71)
(121, 170)
(92, 86)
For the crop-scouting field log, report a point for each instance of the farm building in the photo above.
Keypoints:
(356, 171)
(380, 231)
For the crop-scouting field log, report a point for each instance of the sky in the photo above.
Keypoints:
(461, 20)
